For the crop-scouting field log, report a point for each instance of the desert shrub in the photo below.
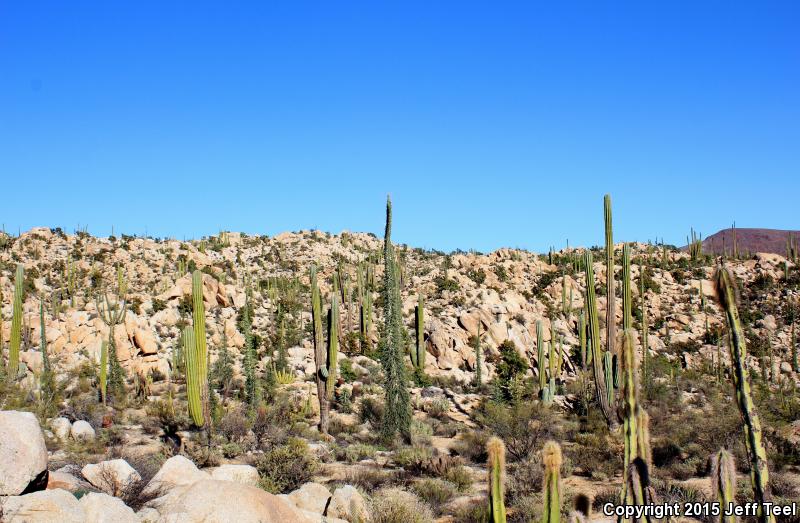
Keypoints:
(524, 427)
(286, 467)
(476, 511)
(421, 432)
(598, 454)
(158, 305)
(231, 450)
(203, 456)
(525, 478)
(438, 407)
(355, 452)
(394, 505)
(133, 493)
(435, 492)
(459, 476)
(472, 445)
(370, 411)
(412, 459)
(233, 425)
(370, 479)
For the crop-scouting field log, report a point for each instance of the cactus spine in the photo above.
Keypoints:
(602, 383)
(723, 482)
(759, 472)
(497, 464)
(333, 342)
(551, 459)
(16, 325)
(319, 352)
(201, 350)
(418, 357)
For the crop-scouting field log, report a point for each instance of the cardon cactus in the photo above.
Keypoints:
(333, 342)
(551, 459)
(201, 350)
(497, 465)
(16, 326)
(540, 365)
(759, 472)
(723, 482)
(192, 377)
(103, 370)
(602, 383)
(418, 354)
(320, 354)
(611, 294)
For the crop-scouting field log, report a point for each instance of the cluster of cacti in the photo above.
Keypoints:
(759, 472)
(418, 352)
(397, 410)
(695, 244)
(16, 325)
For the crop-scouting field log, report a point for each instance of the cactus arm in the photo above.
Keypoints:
(600, 377)
(333, 343)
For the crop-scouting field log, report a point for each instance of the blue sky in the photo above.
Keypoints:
(491, 124)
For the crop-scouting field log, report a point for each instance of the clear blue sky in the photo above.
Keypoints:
(491, 123)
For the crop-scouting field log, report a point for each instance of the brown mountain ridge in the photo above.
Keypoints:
(750, 240)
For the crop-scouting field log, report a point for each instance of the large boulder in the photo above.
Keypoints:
(23, 454)
(176, 471)
(102, 508)
(82, 431)
(45, 506)
(312, 497)
(347, 503)
(244, 474)
(213, 501)
(112, 477)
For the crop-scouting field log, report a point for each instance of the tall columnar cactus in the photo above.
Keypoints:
(418, 355)
(554, 356)
(723, 483)
(582, 337)
(540, 365)
(320, 353)
(112, 314)
(497, 465)
(16, 325)
(122, 284)
(199, 321)
(602, 384)
(611, 294)
(759, 472)
(627, 318)
(551, 459)
(46, 369)
(193, 377)
(634, 419)
(103, 378)
(333, 343)
(397, 412)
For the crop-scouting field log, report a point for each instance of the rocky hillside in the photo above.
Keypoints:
(751, 241)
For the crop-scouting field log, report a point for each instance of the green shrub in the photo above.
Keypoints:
(286, 467)
(435, 492)
(394, 505)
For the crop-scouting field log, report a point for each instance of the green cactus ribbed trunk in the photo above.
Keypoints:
(723, 483)
(16, 325)
(497, 464)
(103, 371)
(759, 472)
(199, 323)
(645, 350)
(627, 318)
(602, 383)
(320, 353)
(611, 294)
(635, 420)
(192, 377)
(582, 337)
(551, 492)
(333, 343)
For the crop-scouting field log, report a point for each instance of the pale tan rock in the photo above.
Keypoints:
(176, 471)
(244, 474)
(312, 497)
(112, 476)
(23, 455)
(347, 503)
(45, 506)
(102, 508)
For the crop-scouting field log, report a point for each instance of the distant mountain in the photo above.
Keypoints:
(750, 240)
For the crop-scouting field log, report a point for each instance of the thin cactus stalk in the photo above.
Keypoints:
(610, 376)
(192, 377)
(582, 337)
(16, 325)
(723, 483)
(759, 472)
(103, 371)
(645, 327)
(627, 318)
(611, 295)
(600, 380)
(551, 459)
(43, 343)
(795, 362)
(419, 329)
(333, 343)
(497, 464)
(199, 321)
(320, 355)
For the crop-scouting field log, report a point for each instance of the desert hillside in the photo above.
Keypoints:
(493, 327)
